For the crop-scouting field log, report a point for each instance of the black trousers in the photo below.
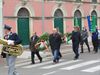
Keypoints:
(87, 44)
(95, 45)
(76, 49)
(33, 56)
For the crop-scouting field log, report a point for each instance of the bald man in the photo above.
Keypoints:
(55, 42)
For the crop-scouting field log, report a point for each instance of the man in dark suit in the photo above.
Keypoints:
(13, 39)
(55, 43)
(33, 49)
(76, 37)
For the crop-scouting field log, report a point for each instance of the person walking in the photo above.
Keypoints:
(95, 41)
(55, 42)
(84, 39)
(76, 36)
(33, 49)
(62, 38)
(13, 39)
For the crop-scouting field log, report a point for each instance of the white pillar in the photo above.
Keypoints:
(1, 19)
(43, 16)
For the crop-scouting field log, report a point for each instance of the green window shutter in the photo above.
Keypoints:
(94, 23)
(80, 23)
(76, 21)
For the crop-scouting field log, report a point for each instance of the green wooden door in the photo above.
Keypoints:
(23, 30)
(58, 23)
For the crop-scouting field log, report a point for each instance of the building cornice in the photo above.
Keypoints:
(85, 2)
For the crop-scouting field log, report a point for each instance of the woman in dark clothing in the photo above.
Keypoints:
(95, 40)
(76, 36)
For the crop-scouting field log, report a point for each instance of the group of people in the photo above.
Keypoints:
(55, 43)
(79, 37)
(55, 39)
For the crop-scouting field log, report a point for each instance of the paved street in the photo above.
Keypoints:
(41, 24)
(87, 64)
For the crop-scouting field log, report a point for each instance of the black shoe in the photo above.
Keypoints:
(41, 60)
(33, 63)
(54, 61)
(89, 50)
(76, 58)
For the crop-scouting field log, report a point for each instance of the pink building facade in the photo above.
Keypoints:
(28, 16)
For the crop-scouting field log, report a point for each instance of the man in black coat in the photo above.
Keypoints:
(55, 43)
(33, 49)
(76, 37)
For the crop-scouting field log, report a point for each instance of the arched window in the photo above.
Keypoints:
(58, 20)
(78, 19)
(94, 13)
(94, 17)
(23, 12)
(58, 13)
(78, 0)
(94, 1)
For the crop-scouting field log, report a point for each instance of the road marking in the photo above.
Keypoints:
(60, 64)
(25, 63)
(92, 69)
(22, 64)
(80, 65)
(22, 61)
(50, 73)
(36, 65)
